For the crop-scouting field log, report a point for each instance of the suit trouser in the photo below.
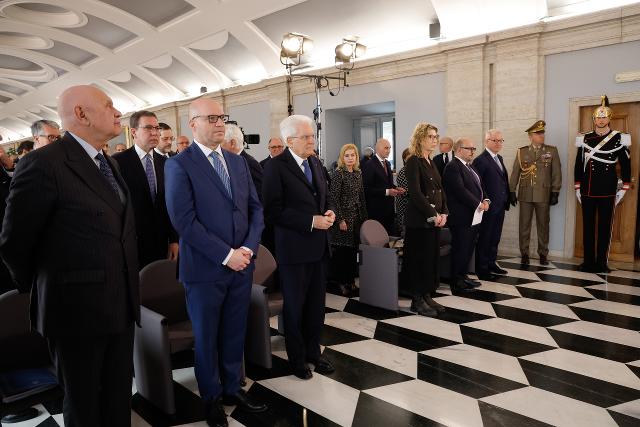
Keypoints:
(603, 207)
(95, 373)
(489, 239)
(218, 313)
(421, 260)
(463, 242)
(303, 293)
(542, 225)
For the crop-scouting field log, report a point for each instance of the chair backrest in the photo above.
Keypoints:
(372, 233)
(265, 266)
(161, 291)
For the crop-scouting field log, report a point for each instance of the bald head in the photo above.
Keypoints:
(89, 113)
(205, 132)
(445, 144)
(383, 148)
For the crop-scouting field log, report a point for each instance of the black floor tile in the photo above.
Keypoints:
(576, 386)
(360, 374)
(624, 420)
(595, 347)
(494, 416)
(529, 316)
(334, 336)
(500, 343)
(605, 318)
(371, 312)
(455, 315)
(635, 370)
(330, 310)
(279, 368)
(409, 339)
(54, 407)
(522, 267)
(282, 412)
(550, 296)
(373, 412)
(188, 408)
(461, 379)
(620, 280)
(49, 422)
(615, 296)
(567, 280)
(487, 296)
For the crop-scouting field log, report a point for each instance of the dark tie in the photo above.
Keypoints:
(445, 156)
(307, 170)
(106, 171)
(221, 171)
(498, 162)
(384, 166)
(148, 170)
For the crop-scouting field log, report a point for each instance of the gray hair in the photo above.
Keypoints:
(232, 131)
(37, 126)
(459, 141)
(491, 132)
(289, 126)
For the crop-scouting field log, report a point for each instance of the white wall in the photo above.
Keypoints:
(254, 118)
(588, 72)
(338, 131)
(418, 98)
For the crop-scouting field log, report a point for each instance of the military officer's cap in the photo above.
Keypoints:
(536, 127)
(603, 111)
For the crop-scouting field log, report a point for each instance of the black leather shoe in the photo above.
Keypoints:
(472, 283)
(323, 366)
(544, 260)
(587, 268)
(497, 270)
(244, 402)
(419, 306)
(303, 373)
(487, 276)
(345, 290)
(461, 286)
(214, 414)
(433, 304)
(602, 269)
(524, 260)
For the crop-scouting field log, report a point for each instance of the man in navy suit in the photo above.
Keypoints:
(296, 201)
(493, 174)
(465, 197)
(214, 207)
(379, 189)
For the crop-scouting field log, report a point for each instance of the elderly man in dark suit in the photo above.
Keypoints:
(69, 235)
(441, 160)
(465, 200)
(296, 201)
(275, 147)
(379, 189)
(215, 209)
(495, 180)
(143, 170)
(234, 142)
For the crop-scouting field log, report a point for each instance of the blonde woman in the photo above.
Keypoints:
(347, 194)
(425, 214)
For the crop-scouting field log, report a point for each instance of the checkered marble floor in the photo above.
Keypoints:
(542, 345)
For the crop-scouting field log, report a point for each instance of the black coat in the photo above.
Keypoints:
(256, 172)
(379, 206)
(439, 161)
(463, 192)
(68, 237)
(153, 228)
(426, 195)
(495, 182)
(290, 203)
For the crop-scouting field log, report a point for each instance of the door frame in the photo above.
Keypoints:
(574, 127)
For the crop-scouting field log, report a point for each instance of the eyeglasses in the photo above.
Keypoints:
(276, 146)
(168, 138)
(150, 128)
(499, 141)
(472, 149)
(305, 137)
(51, 138)
(213, 118)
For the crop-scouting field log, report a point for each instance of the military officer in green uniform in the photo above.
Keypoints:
(538, 176)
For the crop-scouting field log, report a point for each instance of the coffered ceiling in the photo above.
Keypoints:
(148, 52)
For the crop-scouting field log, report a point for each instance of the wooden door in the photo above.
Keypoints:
(626, 118)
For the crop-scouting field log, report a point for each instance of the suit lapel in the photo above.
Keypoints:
(295, 168)
(233, 176)
(202, 163)
(140, 174)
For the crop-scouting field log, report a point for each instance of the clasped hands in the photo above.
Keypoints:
(398, 191)
(240, 259)
(441, 220)
(324, 222)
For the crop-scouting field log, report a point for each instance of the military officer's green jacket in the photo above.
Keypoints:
(536, 173)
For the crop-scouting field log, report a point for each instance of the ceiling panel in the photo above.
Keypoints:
(15, 63)
(103, 32)
(12, 89)
(234, 60)
(154, 12)
(42, 7)
(68, 53)
(179, 75)
(4, 98)
(139, 88)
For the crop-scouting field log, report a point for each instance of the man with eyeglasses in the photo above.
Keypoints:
(446, 154)
(214, 206)
(44, 132)
(466, 200)
(490, 167)
(166, 140)
(537, 175)
(143, 170)
(182, 143)
(275, 147)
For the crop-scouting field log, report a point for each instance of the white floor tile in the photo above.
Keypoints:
(483, 360)
(574, 274)
(532, 261)
(278, 347)
(435, 403)
(629, 408)
(388, 356)
(429, 326)
(44, 414)
(558, 288)
(551, 408)
(467, 304)
(324, 396)
(591, 366)
(610, 307)
(636, 363)
(187, 378)
(499, 288)
(540, 306)
(614, 287)
(601, 332)
(515, 329)
(522, 274)
(352, 323)
(136, 420)
(625, 274)
(336, 302)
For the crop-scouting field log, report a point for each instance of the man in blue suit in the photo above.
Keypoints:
(495, 180)
(214, 207)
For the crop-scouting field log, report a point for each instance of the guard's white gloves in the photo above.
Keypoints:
(619, 196)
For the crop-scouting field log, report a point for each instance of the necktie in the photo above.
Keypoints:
(384, 166)
(475, 177)
(307, 170)
(445, 157)
(498, 162)
(221, 171)
(148, 169)
(106, 171)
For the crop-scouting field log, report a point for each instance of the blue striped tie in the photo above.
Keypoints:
(106, 171)
(220, 169)
(148, 169)
(307, 170)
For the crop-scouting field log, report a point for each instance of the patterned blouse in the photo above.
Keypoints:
(347, 194)
(402, 199)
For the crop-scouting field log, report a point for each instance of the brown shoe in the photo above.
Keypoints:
(544, 260)
(524, 260)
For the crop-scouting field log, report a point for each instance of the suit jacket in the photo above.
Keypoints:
(438, 159)
(153, 227)
(263, 162)
(290, 203)
(426, 195)
(209, 222)
(463, 192)
(494, 180)
(256, 172)
(376, 182)
(68, 237)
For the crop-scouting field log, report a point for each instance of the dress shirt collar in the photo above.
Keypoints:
(297, 158)
(447, 155)
(380, 159)
(160, 152)
(141, 152)
(463, 162)
(494, 155)
(90, 149)
(207, 151)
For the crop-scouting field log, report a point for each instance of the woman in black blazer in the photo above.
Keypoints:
(425, 214)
